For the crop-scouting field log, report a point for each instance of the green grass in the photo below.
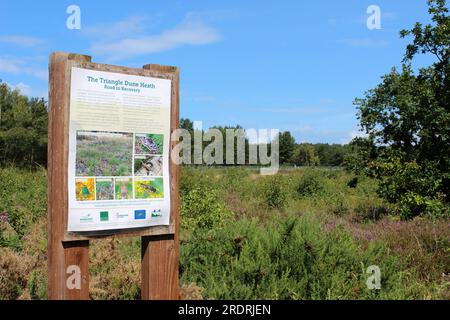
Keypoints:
(302, 234)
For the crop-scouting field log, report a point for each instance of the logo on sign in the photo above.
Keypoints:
(121, 215)
(103, 215)
(139, 214)
(86, 218)
(156, 213)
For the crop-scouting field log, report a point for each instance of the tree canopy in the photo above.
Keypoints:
(407, 120)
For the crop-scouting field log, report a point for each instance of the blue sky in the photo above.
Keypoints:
(289, 65)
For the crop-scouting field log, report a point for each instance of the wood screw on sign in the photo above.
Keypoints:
(68, 252)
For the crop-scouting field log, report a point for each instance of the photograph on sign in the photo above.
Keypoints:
(119, 135)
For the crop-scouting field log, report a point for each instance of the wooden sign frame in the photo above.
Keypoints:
(160, 245)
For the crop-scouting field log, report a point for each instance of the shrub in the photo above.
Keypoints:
(370, 209)
(339, 204)
(275, 192)
(293, 258)
(23, 200)
(412, 204)
(311, 185)
(203, 208)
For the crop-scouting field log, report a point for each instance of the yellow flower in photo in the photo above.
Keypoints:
(85, 189)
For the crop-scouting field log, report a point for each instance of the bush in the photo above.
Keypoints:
(275, 192)
(311, 185)
(339, 204)
(370, 209)
(412, 204)
(203, 208)
(413, 187)
(23, 200)
(292, 258)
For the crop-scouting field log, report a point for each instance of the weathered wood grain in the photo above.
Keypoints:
(160, 253)
(61, 256)
(160, 248)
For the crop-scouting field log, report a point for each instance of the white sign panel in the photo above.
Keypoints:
(119, 135)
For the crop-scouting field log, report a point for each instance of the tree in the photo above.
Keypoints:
(286, 147)
(407, 119)
(23, 129)
(305, 155)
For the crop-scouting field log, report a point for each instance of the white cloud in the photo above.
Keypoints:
(28, 90)
(190, 31)
(130, 25)
(22, 66)
(305, 128)
(23, 41)
(353, 134)
(22, 87)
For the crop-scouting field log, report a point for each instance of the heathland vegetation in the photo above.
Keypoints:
(308, 232)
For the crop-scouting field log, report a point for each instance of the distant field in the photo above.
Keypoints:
(307, 233)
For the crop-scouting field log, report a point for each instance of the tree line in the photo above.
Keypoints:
(23, 136)
(406, 119)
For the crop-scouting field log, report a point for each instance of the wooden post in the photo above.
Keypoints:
(68, 252)
(159, 268)
(62, 257)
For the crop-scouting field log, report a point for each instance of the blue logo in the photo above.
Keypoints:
(139, 214)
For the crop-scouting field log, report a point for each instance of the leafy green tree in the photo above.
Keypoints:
(331, 154)
(286, 147)
(407, 119)
(305, 155)
(23, 129)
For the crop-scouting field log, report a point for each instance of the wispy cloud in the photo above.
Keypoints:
(22, 66)
(363, 42)
(22, 87)
(353, 134)
(27, 90)
(22, 41)
(130, 25)
(191, 31)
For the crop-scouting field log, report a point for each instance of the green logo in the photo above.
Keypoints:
(103, 215)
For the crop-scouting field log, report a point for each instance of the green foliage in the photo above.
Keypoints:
(412, 204)
(23, 200)
(275, 192)
(23, 129)
(202, 208)
(371, 209)
(339, 204)
(303, 253)
(414, 187)
(37, 285)
(311, 184)
(286, 147)
(305, 155)
(331, 154)
(407, 119)
(290, 259)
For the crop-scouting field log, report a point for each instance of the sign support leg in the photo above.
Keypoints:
(68, 274)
